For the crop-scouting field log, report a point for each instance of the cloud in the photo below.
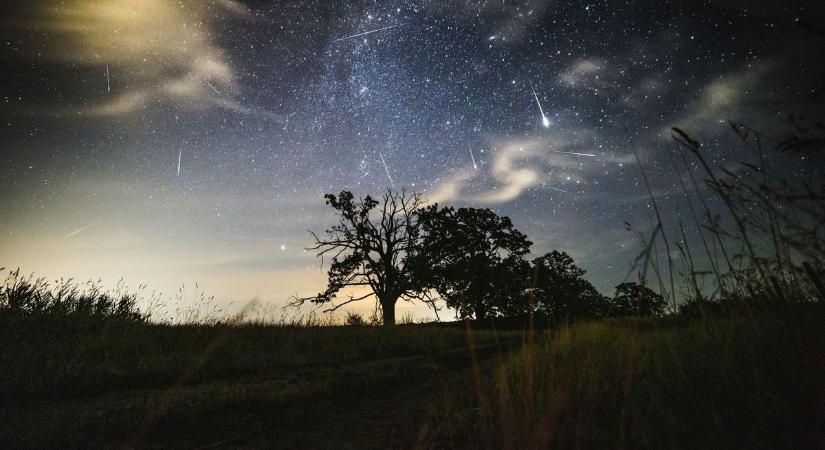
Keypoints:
(235, 7)
(724, 98)
(593, 74)
(649, 88)
(582, 72)
(148, 51)
(551, 163)
(514, 23)
(512, 169)
(450, 189)
(509, 24)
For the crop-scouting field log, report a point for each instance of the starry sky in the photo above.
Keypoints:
(172, 142)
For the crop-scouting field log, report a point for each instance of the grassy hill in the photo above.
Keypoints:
(747, 380)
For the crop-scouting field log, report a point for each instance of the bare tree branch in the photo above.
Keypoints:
(369, 251)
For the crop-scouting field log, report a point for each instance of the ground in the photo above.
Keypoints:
(387, 401)
(744, 378)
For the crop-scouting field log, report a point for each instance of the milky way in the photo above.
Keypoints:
(275, 103)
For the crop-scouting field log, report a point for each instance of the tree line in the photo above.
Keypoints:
(469, 259)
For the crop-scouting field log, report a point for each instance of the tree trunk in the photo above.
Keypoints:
(476, 291)
(481, 309)
(388, 311)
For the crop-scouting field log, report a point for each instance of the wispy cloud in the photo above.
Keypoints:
(450, 188)
(584, 73)
(150, 50)
(511, 168)
(724, 98)
(549, 163)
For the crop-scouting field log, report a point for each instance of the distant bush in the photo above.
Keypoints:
(354, 320)
(633, 299)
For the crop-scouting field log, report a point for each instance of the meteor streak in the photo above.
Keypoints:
(180, 153)
(364, 33)
(574, 153)
(83, 228)
(213, 87)
(108, 86)
(386, 169)
(544, 120)
(472, 157)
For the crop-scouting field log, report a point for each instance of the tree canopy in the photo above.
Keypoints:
(560, 290)
(633, 299)
(370, 248)
(470, 259)
(474, 259)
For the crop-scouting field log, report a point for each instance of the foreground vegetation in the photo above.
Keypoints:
(91, 371)
(733, 381)
(79, 371)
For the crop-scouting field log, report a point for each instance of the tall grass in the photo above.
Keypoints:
(762, 231)
(728, 382)
(71, 339)
(25, 297)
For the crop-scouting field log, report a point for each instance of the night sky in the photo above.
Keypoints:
(173, 142)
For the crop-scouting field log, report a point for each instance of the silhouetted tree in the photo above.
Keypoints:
(474, 259)
(560, 290)
(370, 248)
(633, 299)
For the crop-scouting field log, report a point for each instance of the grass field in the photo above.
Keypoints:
(743, 381)
(751, 380)
(78, 384)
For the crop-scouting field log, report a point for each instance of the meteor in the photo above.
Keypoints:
(180, 153)
(213, 87)
(83, 228)
(386, 169)
(472, 157)
(108, 86)
(574, 153)
(544, 120)
(365, 33)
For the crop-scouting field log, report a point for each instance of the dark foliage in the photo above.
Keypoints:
(473, 259)
(25, 298)
(633, 299)
(561, 292)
